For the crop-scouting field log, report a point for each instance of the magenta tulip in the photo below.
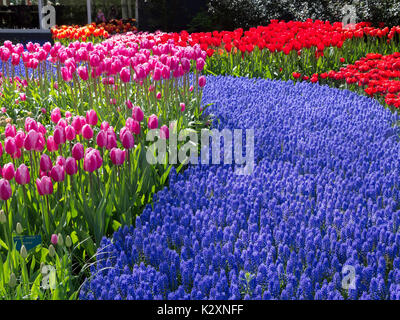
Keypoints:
(54, 239)
(117, 156)
(51, 144)
(22, 175)
(55, 115)
(5, 190)
(19, 139)
(10, 146)
(31, 140)
(128, 141)
(152, 122)
(87, 132)
(70, 133)
(57, 173)
(125, 75)
(8, 171)
(164, 132)
(10, 130)
(91, 117)
(101, 139)
(183, 107)
(71, 166)
(202, 81)
(44, 186)
(137, 114)
(77, 151)
(59, 135)
(45, 163)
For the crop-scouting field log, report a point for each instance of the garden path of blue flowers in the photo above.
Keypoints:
(324, 194)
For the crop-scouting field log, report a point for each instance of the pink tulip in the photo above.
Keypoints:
(45, 163)
(44, 186)
(55, 115)
(137, 114)
(83, 73)
(133, 126)
(128, 104)
(77, 151)
(164, 132)
(158, 96)
(87, 132)
(128, 140)
(104, 125)
(42, 129)
(51, 144)
(92, 161)
(54, 239)
(59, 135)
(183, 107)
(200, 63)
(91, 117)
(5, 190)
(10, 131)
(22, 175)
(22, 96)
(70, 133)
(101, 139)
(1, 149)
(111, 139)
(31, 140)
(202, 81)
(62, 123)
(71, 166)
(60, 161)
(152, 122)
(77, 124)
(57, 173)
(40, 143)
(10, 146)
(17, 154)
(117, 156)
(8, 171)
(125, 75)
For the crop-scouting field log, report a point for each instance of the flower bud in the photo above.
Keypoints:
(13, 280)
(54, 239)
(23, 252)
(18, 228)
(68, 241)
(52, 251)
(3, 218)
(60, 239)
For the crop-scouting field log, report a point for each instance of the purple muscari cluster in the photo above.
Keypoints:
(324, 195)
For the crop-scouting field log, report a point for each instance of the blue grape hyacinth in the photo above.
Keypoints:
(324, 195)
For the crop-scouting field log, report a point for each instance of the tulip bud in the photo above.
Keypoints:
(127, 140)
(183, 107)
(68, 241)
(3, 218)
(60, 239)
(23, 252)
(101, 139)
(13, 280)
(8, 171)
(70, 133)
(59, 135)
(54, 239)
(52, 251)
(18, 228)
(91, 117)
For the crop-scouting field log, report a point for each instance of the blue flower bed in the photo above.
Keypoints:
(324, 194)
